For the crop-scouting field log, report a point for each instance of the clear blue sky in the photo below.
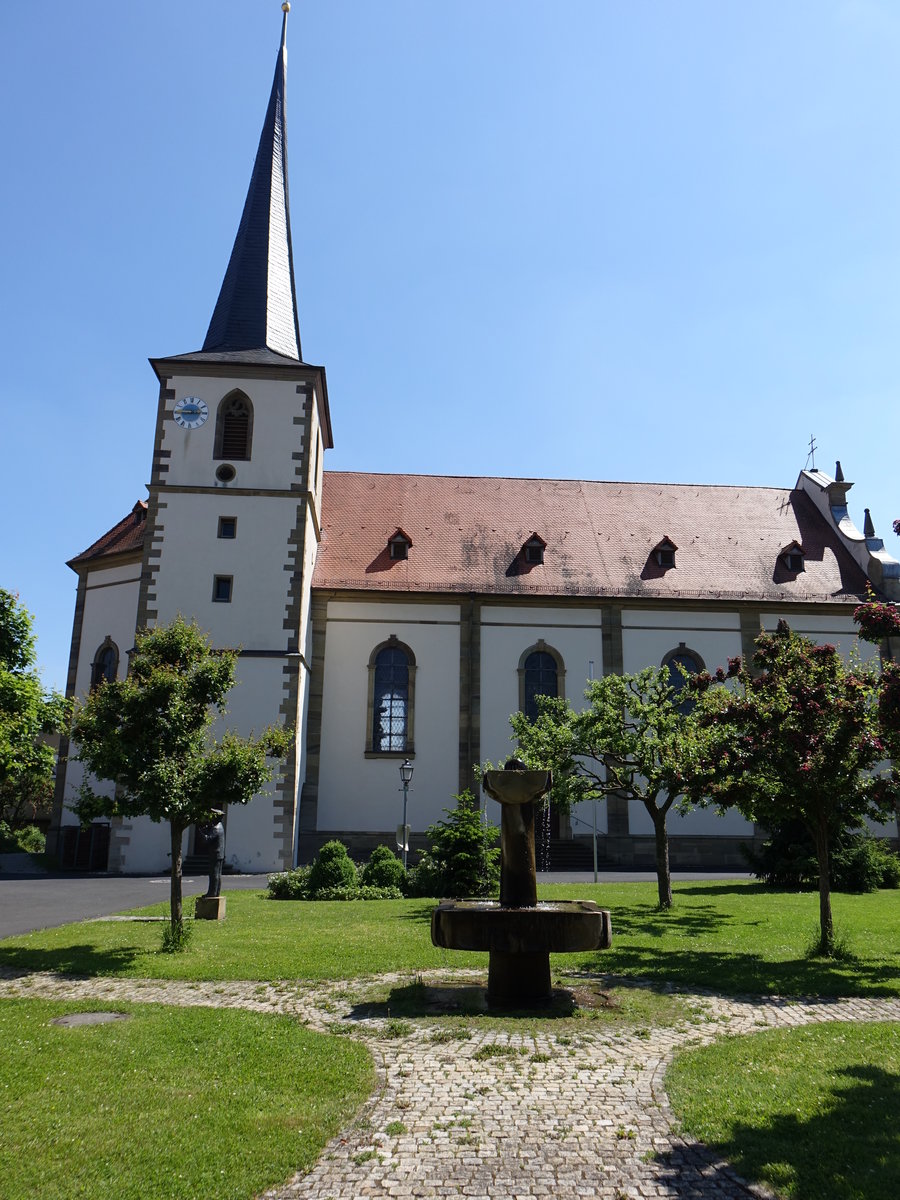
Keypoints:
(572, 238)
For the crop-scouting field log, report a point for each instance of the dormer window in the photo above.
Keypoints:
(793, 557)
(533, 549)
(664, 553)
(398, 545)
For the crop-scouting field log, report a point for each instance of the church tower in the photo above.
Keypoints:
(233, 520)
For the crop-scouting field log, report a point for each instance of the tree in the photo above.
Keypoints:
(27, 715)
(633, 740)
(149, 734)
(879, 623)
(796, 739)
(463, 858)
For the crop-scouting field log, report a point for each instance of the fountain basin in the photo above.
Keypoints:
(520, 942)
(562, 927)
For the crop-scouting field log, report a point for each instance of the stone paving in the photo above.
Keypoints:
(496, 1115)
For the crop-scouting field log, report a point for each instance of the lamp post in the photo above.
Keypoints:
(406, 774)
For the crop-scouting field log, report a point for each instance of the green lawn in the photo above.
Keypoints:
(812, 1112)
(172, 1104)
(137, 1108)
(733, 936)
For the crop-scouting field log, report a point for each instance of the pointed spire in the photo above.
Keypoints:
(257, 305)
(838, 473)
(868, 525)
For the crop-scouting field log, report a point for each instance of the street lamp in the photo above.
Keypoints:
(406, 774)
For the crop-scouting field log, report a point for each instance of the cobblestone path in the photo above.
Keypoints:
(496, 1116)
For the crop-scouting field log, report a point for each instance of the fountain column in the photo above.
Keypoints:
(518, 935)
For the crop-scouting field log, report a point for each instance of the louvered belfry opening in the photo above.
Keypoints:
(235, 425)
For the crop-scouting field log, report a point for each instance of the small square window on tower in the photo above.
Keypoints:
(222, 588)
(399, 544)
(228, 527)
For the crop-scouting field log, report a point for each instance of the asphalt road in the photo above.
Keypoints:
(43, 901)
(39, 902)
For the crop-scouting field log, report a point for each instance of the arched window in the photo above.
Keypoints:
(691, 661)
(234, 427)
(392, 669)
(541, 673)
(105, 664)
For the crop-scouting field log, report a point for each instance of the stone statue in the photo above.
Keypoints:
(212, 836)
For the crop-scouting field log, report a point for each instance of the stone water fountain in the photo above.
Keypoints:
(519, 934)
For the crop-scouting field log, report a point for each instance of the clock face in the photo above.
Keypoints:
(191, 412)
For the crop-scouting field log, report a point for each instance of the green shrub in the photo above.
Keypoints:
(384, 870)
(463, 858)
(332, 868)
(865, 864)
(786, 858)
(359, 893)
(27, 839)
(289, 885)
(859, 861)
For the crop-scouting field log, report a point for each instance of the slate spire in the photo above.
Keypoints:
(257, 305)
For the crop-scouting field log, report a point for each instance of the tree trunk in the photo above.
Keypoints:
(663, 877)
(176, 912)
(826, 922)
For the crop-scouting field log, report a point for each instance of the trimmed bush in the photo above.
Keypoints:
(358, 893)
(384, 870)
(332, 868)
(289, 885)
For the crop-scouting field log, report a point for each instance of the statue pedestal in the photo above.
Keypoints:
(210, 908)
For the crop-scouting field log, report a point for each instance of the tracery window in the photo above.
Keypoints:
(234, 427)
(391, 693)
(541, 673)
(106, 663)
(691, 661)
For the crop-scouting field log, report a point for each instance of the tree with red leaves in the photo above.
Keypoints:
(798, 737)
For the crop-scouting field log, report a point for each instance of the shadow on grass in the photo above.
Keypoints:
(68, 960)
(736, 888)
(849, 1151)
(653, 922)
(454, 1000)
(734, 973)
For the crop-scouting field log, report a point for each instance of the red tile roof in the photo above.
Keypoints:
(468, 533)
(124, 538)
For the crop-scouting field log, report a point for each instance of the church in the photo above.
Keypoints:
(397, 620)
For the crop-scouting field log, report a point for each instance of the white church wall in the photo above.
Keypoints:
(193, 555)
(275, 437)
(648, 635)
(148, 850)
(582, 818)
(507, 631)
(110, 610)
(837, 628)
(699, 822)
(360, 793)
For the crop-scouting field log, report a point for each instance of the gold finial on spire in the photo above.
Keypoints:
(286, 8)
